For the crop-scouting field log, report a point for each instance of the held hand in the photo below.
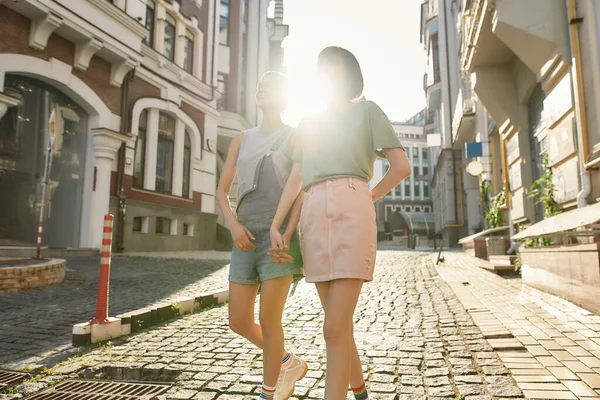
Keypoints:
(241, 237)
(277, 239)
(280, 257)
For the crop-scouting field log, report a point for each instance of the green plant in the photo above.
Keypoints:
(542, 190)
(493, 216)
(485, 188)
(176, 306)
(518, 264)
(460, 397)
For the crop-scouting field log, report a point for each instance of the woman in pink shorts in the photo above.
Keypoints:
(338, 233)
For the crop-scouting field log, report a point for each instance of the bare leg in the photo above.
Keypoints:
(339, 308)
(241, 312)
(356, 373)
(273, 295)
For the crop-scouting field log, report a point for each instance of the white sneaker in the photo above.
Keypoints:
(286, 383)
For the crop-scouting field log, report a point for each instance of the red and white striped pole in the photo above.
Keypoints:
(105, 256)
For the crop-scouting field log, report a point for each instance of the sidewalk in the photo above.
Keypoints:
(36, 326)
(415, 339)
(551, 346)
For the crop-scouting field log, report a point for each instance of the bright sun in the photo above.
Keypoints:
(306, 96)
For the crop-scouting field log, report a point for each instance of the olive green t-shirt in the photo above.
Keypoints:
(343, 143)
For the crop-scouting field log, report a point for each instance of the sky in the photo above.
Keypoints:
(382, 34)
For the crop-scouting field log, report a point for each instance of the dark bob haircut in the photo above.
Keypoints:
(351, 82)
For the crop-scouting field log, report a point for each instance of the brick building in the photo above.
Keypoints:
(132, 90)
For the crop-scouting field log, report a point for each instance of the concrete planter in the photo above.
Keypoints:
(476, 248)
(497, 246)
(572, 272)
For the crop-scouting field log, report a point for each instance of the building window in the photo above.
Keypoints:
(407, 188)
(169, 49)
(222, 89)
(398, 191)
(416, 169)
(140, 151)
(164, 153)
(140, 224)
(417, 209)
(187, 158)
(415, 154)
(408, 209)
(163, 225)
(224, 23)
(425, 169)
(188, 229)
(188, 56)
(150, 15)
(426, 209)
(425, 153)
(417, 189)
(426, 190)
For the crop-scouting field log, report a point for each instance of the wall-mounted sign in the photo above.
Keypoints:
(473, 149)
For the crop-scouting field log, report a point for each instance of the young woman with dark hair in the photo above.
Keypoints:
(333, 164)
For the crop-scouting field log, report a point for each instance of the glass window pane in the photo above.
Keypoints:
(163, 225)
(169, 50)
(417, 190)
(164, 154)
(188, 57)
(140, 152)
(187, 158)
(150, 15)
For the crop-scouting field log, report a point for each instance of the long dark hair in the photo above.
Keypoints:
(350, 82)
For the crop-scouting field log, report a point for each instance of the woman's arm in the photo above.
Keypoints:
(399, 170)
(294, 217)
(288, 197)
(240, 235)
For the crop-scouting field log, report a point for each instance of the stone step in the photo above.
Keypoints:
(501, 265)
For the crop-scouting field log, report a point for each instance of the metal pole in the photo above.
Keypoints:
(47, 166)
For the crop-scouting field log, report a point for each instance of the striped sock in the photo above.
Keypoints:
(360, 393)
(286, 359)
(268, 392)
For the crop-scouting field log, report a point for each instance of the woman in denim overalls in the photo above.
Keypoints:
(262, 160)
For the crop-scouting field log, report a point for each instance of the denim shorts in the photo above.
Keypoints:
(254, 267)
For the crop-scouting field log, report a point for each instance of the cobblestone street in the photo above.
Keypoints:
(36, 325)
(415, 338)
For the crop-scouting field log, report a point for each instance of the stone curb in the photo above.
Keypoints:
(124, 324)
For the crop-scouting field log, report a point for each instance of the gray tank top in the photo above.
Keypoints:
(263, 164)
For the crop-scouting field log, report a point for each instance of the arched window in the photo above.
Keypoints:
(164, 153)
(169, 45)
(187, 165)
(140, 151)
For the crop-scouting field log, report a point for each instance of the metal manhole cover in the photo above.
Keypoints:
(9, 378)
(101, 390)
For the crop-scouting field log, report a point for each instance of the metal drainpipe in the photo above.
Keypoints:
(121, 170)
(579, 102)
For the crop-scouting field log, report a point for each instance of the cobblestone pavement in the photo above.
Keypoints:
(415, 338)
(551, 346)
(37, 324)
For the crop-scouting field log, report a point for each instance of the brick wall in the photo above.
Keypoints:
(16, 279)
(14, 38)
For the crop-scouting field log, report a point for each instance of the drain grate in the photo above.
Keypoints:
(101, 390)
(9, 378)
